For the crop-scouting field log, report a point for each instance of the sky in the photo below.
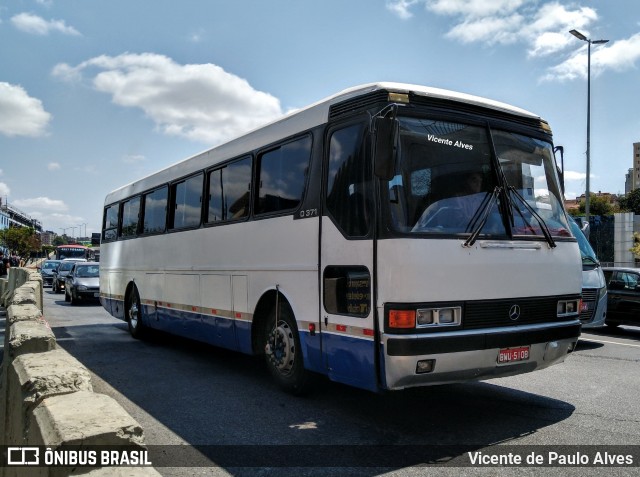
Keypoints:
(95, 94)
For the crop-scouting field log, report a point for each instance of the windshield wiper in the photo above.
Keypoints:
(543, 225)
(481, 215)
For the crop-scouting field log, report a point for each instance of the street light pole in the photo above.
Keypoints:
(580, 36)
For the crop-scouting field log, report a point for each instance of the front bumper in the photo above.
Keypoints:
(473, 355)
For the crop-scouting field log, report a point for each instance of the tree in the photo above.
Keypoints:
(22, 240)
(598, 205)
(636, 245)
(631, 202)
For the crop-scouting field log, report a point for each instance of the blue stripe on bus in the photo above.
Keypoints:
(346, 359)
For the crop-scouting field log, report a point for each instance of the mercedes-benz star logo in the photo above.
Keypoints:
(514, 312)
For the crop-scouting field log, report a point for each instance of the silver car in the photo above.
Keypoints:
(82, 282)
(594, 288)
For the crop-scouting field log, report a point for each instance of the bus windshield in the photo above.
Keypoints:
(449, 175)
(71, 251)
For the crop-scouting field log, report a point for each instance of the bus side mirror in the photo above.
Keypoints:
(386, 131)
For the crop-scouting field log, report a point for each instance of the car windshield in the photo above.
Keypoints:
(49, 265)
(453, 178)
(66, 266)
(87, 271)
(586, 251)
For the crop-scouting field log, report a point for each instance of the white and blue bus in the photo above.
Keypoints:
(387, 237)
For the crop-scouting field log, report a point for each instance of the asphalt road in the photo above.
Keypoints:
(188, 394)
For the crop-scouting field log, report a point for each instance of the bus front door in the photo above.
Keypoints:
(348, 344)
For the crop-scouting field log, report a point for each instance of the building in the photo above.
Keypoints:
(46, 238)
(635, 183)
(628, 181)
(14, 217)
(4, 219)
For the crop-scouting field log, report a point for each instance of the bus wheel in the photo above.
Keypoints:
(133, 311)
(283, 352)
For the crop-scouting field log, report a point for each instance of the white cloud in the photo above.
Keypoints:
(621, 55)
(20, 114)
(36, 25)
(58, 222)
(54, 166)
(40, 204)
(4, 191)
(201, 102)
(474, 8)
(541, 25)
(490, 30)
(402, 8)
(575, 176)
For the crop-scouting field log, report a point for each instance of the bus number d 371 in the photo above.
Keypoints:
(511, 355)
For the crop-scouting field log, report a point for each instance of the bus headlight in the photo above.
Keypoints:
(425, 317)
(568, 307)
(446, 316)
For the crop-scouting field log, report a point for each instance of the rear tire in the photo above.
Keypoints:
(134, 311)
(283, 352)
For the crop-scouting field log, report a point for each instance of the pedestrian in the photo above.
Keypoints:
(5, 265)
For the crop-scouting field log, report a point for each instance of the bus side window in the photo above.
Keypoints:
(349, 198)
(155, 211)
(110, 223)
(282, 176)
(186, 202)
(130, 217)
(229, 191)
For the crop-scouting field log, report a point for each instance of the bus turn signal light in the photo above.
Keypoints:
(402, 318)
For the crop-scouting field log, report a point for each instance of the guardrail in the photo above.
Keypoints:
(46, 395)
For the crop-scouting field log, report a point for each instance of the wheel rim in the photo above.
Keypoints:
(133, 314)
(281, 348)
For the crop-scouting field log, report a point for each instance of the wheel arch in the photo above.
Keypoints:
(266, 303)
(131, 286)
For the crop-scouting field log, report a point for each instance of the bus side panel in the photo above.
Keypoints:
(352, 360)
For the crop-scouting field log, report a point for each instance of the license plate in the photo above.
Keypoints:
(513, 355)
(96, 295)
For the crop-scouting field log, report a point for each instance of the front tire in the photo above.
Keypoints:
(283, 352)
(66, 296)
(134, 310)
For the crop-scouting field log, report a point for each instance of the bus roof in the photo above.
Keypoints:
(293, 123)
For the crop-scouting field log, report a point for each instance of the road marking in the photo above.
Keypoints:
(611, 342)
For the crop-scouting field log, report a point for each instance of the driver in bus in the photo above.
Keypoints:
(454, 213)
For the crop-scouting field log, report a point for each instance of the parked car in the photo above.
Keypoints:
(61, 272)
(624, 296)
(82, 282)
(594, 287)
(46, 271)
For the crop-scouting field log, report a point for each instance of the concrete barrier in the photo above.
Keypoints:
(46, 395)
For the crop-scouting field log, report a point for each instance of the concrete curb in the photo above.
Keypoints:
(46, 395)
